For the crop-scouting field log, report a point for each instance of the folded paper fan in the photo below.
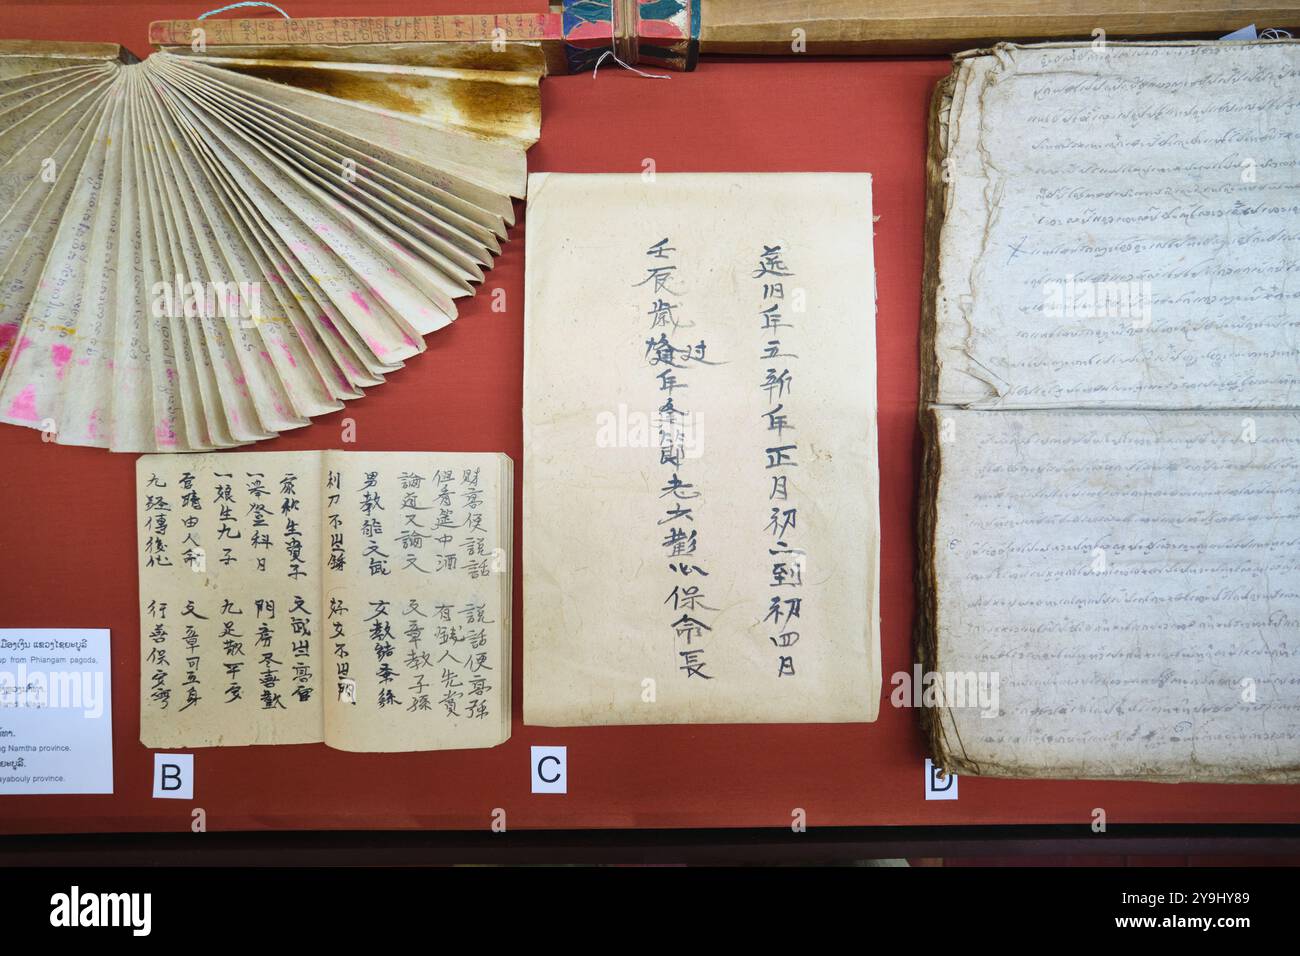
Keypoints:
(204, 249)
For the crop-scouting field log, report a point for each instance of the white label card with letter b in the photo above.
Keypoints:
(173, 776)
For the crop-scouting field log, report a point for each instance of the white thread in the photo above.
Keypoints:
(610, 52)
(245, 3)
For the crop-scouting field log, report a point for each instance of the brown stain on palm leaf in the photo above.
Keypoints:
(497, 107)
(382, 91)
(492, 109)
(515, 57)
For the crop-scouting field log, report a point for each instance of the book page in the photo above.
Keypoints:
(416, 551)
(700, 500)
(1120, 227)
(230, 614)
(1118, 594)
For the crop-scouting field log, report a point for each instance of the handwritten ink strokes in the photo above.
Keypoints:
(679, 539)
(779, 455)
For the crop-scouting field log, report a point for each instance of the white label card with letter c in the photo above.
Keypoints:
(550, 770)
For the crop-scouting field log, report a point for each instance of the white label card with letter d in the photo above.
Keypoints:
(937, 785)
(550, 770)
(173, 776)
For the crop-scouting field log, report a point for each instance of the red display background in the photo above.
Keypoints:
(67, 544)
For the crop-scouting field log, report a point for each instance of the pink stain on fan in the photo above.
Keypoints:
(375, 345)
(288, 353)
(164, 434)
(7, 335)
(24, 405)
(60, 355)
(360, 300)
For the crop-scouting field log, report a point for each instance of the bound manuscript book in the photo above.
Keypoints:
(700, 478)
(217, 244)
(1110, 513)
(361, 599)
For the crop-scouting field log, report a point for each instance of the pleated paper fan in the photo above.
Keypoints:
(199, 251)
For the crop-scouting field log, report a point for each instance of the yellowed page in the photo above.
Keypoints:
(231, 622)
(416, 552)
(700, 481)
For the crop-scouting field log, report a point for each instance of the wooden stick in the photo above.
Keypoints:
(672, 33)
(852, 27)
(570, 41)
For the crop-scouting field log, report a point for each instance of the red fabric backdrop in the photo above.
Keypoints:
(67, 520)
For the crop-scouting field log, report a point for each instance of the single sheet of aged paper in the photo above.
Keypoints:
(700, 478)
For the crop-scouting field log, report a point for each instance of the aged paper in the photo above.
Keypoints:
(700, 490)
(1120, 228)
(1108, 516)
(230, 616)
(1133, 578)
(359, 599)
(417, 600)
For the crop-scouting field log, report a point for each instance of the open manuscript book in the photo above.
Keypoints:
(360, 599)
(1110, 516)
(207, 248)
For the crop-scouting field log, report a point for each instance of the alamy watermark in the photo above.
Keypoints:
(675, 433)
(955, 689)
(1087, 299)
(195, 299)
(58, 689)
